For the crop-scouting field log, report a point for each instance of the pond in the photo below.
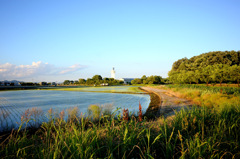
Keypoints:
(13, 104)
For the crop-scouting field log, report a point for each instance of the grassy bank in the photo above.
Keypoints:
(211, 97)
(195, 133)
(199, 132)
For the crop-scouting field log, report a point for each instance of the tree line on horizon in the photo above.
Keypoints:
(95, 80)
(212, 67)
(148, 80)
(98, 80)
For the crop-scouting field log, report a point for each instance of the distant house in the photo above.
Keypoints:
(126, 80)
(43, 83)
(10, 83)
(5, 83)
(15, 83)
(104, 84)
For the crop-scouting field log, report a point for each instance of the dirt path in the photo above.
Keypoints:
(169, 102)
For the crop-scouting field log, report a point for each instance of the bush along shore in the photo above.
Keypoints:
(209, 131)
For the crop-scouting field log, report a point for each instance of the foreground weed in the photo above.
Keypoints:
(197, 132)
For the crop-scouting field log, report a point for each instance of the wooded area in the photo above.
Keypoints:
(214, 67)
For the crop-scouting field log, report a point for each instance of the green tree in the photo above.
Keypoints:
(145, 81)
(115, 82)
(154, 80)
(136, 81)
(97, 78)
(182, 77)
(106, 80)
(182, 66)
(177, 63)
(111, 79)
(66, 82)
(76, 82)
(82, 81)
(120, 82)
(157, 79)
(219, 73)
(234, 73)
(189, 77)
(144, 78)
(196, 77)
(206, 74)
(89, 81)
(173, 76)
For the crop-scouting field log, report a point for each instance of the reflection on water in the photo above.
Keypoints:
(14, 103)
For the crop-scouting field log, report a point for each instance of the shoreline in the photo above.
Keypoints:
(154, 107)
(169, 103)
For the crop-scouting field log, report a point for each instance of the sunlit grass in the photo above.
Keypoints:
(205, 96)
(198, 132)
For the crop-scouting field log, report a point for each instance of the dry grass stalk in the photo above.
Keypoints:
(125, 114)
(26, 116)
(140, 116)
(61, 115)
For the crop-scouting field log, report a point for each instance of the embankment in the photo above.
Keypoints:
(167, 104)
(154, 105)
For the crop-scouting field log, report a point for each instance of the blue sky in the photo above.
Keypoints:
(57, 40)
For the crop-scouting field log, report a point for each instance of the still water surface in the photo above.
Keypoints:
(15, 103)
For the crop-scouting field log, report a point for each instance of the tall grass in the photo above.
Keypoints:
(210, 97)
(198, 132)
(208, 89)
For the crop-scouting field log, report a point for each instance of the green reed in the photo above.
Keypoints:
(208, 89)
(197, 132)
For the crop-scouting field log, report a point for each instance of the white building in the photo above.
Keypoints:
(113, 72)
(126, 80)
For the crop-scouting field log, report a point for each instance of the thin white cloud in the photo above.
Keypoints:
(72, 68)
(11, 71)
